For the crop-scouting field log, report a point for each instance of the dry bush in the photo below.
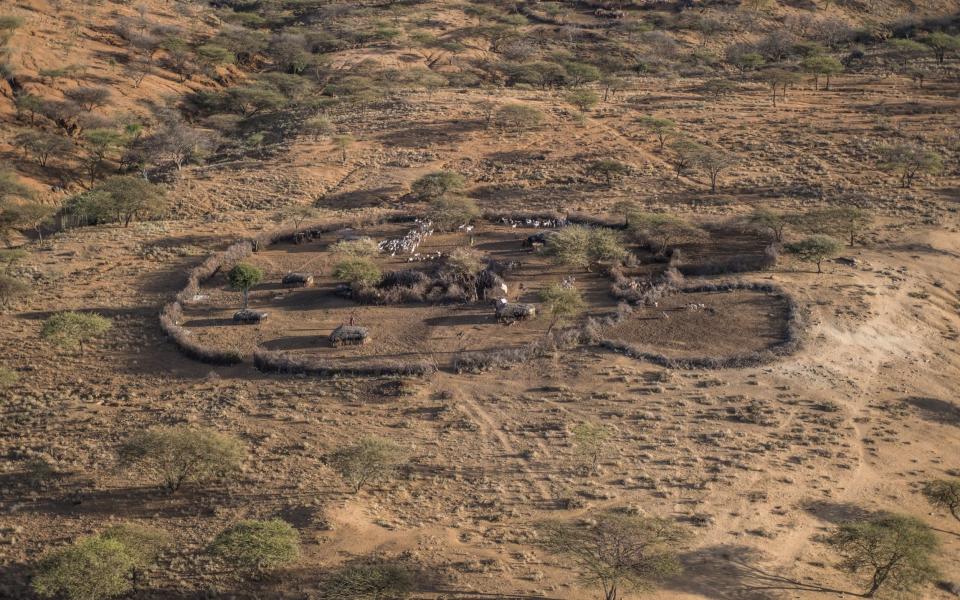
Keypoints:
(280, 362)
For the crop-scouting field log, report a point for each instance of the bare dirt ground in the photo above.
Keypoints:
(756, 462)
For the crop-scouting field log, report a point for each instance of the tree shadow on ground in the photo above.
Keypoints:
(729, 572)
(936, 410)
(837, 512)
(422, 135)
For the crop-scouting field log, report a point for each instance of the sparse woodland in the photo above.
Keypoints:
(479, 299)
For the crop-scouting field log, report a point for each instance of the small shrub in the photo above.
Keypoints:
(71, 329)
(450, 212)
(380, 581)
(8, 377)
(256, 546)
(173, 456)
(93, 568)
(590, 441)
(370, 460)
(11, 290)
(359, 248)
(437, 185)
(358, 272)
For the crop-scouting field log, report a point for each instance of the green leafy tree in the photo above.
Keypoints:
(98, 144)
(941, 43)
(72, 329)
(257, 546)
(685, 154)
(821, 65)
(815, 249)
(908, 161)
(296, 214)
(11, 290)
(369, 461)
(779, 79)
(28, 215)
(343, 143)
(42, 145)
(450, 212)
(661, 128)
(518, 117)
(131, 197)
(944, 493)
(770, 221)
(616, 552)
(173, 456)
(10, 257)
(243, 277)
(10, 187)
(609, 169)
(891, 551)
(562, 303)
(904, 51)
(660, 230)
(439, 184)
(584, 100)
(358, 271)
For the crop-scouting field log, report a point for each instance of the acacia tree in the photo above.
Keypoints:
(662, 129)
(580, 246)
(909, 161)
(944, 493)
(518, 117)
(891, 551)
(449, 212)
(815, 249)
(92, 568)
(771, 221)
(685, 153)
(714, 161)
(439, 184)
(660, 230)
(42, 145)
(31, 215)
(941, 42)
(615, 551)
(609, 169)
(821, 65)
(562, 302)
(172, 456)
(130, 197)
(243, 277)
(296, 214)
(779, 78)
(371, 460)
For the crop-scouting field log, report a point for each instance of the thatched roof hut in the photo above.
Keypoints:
(248, 315)
(349, 335)
(509, 312)
(297, 280)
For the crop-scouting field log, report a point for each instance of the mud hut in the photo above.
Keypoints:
(349, 335)
(249, 316)
(510, 312)
(297, 280)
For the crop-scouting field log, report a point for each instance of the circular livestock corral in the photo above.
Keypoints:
(420, 314)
